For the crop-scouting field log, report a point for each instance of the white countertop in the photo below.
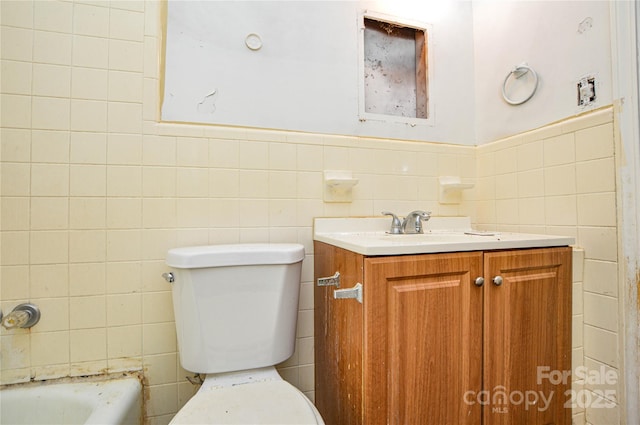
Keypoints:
(368, 236)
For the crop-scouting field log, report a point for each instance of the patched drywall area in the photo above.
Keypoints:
(395, 67)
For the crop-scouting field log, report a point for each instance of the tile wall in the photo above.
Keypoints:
(561, 179)
(94, 191)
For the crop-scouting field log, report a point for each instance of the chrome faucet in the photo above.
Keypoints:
(411, 224)
(396, 226)
(413, 221)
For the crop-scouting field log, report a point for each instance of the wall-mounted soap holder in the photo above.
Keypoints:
(338, 186)
(451, 188)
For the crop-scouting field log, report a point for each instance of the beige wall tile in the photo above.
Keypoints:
(159, 181)
(192, 152)
(125, 86)
(48, 281)
(15, 77)
(601, 345)
(16, 179)
(55, 314)
(531, 211)
(156, 243)
(596, 176)
(161, 369)
(87, 313)
(16, 111)
(192, 182)
(49, 247)
(599, 311)
(88, 115)
(163, 399)
(158, 338)
(124, 277)
(126, 55)
(49, 348)
(87, 345)
(126, 25)
(597, 209)
(157, 307)
(594, 142)
(282, 156)
(17, 43)
(253, 184)
(49, 213)
(159, 150)
(86, 279)
(14, 282)
(224, 153)
(90, 52)
(124, 213)
(52, 47)
(91, 20)
(88, 148)
(16, 145)
(53, 16)
(87, 213)
(17, 13)
(51, 80)
(506, 186)
(577, 326)
(124, 181)
(599, 243)
(124, 309)
(14, 213)
(531, 184)
(87, 246)
(88, 180)
(559, 150)
(159, 213)
(50, 146)
(15, 349)
(560, 180)
(14, 248)
(601, 277)
(49, 180)
(530, 155)
(124, 149)
(282, 184)
(561, 210)
(89, 83)
(50, 113)
(124, 341)
(123, 245)
(254, 155)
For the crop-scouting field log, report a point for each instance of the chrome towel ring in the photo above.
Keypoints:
(518, 72)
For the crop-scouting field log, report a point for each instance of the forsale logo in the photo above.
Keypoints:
(500, 399)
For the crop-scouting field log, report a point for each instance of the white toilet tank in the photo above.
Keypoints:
(236, 305)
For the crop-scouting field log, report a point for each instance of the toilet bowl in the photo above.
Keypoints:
(236, 308)
(258, 396)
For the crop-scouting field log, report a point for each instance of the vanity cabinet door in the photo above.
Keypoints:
(527, 327)
(422, 338)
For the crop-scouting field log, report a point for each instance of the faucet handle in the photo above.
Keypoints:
(396, 225)
(412, 222)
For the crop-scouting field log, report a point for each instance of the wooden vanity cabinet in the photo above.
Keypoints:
(428, 345)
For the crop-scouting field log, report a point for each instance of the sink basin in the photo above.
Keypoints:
(369, 236)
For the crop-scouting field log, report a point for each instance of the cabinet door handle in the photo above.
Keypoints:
(497, 280)
(479, 281)
(355, 293)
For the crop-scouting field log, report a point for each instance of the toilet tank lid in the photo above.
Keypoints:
(234, 255)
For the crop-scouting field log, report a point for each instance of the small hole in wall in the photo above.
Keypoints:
(395, 69)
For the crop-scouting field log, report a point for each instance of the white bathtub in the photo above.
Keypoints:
(71, 402)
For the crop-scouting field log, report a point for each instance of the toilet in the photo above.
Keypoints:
(236, 309)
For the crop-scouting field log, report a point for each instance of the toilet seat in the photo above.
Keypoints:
(268, 401)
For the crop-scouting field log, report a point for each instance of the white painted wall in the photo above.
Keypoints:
(305, 77)
(544, 34)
